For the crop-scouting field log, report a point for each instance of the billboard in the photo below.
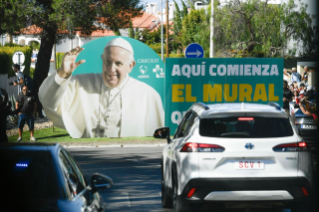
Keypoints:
(111, 87)
(219, 80)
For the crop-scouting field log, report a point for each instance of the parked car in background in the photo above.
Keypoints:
(308, 131)
(45, 177)
(236, 155)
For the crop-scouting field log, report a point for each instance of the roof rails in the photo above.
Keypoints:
(200, 104)
(274, 104)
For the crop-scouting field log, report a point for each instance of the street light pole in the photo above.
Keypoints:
(167, 27)
(211, 49)
(162, 46)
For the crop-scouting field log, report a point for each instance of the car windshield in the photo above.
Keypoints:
(27, 175)
(245, 127)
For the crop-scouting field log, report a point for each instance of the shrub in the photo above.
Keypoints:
(6, 63)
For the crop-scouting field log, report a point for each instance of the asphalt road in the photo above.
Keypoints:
(135, 172)
(136, 175)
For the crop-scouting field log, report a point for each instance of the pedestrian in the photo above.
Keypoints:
(309, 109)
(286, 75)
(20, 76)
(295, 76)
(302, 87)
(291, 87)
(287, 97)
(5, 110)
(296, 95)
(305, 75)
(28, 107)
(310, 93)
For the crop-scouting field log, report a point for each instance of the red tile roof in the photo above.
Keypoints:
(34, 30)
(31, 30)
(98, 33)
(171, 23)
(144, 21)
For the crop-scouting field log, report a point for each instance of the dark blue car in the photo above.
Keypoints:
(45, 177)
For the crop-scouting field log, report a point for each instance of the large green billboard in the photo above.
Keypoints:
(219, 80)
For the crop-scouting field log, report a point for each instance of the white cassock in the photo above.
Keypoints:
(86, 107)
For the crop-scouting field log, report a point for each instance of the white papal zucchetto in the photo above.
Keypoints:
(120, 42)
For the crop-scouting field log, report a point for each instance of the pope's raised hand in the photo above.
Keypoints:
(68, 63)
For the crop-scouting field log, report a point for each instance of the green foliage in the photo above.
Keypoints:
(177, 27)
(149, 37)
(131, 32)
(35, 45)
(156, 47)
(14, 15)
(254, 28)
(59, 58)
(31, 72)
(6, 63)
(185, 10)
(172, 56)
(137, 34)
(196, 29)
(119, 13)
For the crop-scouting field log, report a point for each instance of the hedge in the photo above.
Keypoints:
(6, 63)
(172, 56)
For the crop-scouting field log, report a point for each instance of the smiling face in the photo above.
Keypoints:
(117, 63)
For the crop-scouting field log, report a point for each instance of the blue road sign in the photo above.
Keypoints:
(194, 50)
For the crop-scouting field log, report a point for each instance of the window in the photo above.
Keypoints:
(27, 174)
(245, 127)
(74, 182)
(185, 125)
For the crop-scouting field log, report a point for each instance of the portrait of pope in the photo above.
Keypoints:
(105, 104)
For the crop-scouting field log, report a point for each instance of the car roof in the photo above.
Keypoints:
(224, 109)
(30, 146)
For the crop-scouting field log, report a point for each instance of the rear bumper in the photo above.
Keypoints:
(251, 189)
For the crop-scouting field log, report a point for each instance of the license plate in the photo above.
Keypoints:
(309, 127)
(249, 164)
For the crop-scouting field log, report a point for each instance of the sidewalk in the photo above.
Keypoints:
(39, 123)
(42, 123)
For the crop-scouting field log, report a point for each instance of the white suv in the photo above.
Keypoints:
(228, 155)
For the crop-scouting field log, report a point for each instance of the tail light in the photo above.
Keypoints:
(292, 147)
(305, 192)
(195, 147)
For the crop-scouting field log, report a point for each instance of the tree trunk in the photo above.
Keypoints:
(42, 66)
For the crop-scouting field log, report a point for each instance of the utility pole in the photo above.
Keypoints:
(211, 49)
(167, 27)
(162, 35)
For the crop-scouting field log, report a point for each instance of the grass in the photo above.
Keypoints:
(61, 135)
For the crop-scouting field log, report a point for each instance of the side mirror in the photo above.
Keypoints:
(100, 181)
(163, 132)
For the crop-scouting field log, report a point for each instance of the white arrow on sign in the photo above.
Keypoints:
(197, 53)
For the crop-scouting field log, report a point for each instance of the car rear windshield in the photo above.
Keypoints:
(245, 127)
(27, 174)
